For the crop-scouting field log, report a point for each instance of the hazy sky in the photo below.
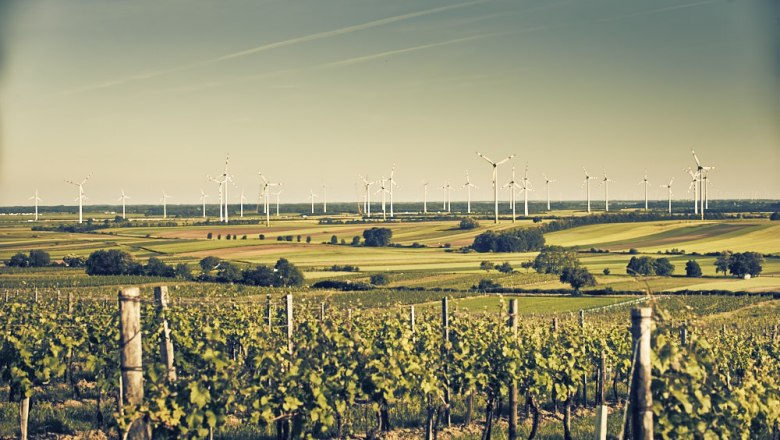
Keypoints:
(152, 95)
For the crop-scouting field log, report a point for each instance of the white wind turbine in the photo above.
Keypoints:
(36, 199)
(512, 184)
(495, 179)
(525, 187)
(425, 197)
(605, 181)
(588, 178)
(384, 190)
(702, 172)
(312, 196)
(265, 188)
(694, 180)
(444, 198)
(221, 196)
(645, 182)
(449, 197)
(225, 179)
(81, 196)
(669, 190)
(278, 193)
(547, 183)
(203, 196)
(367, 196)
(123, 198)
(325, 199)
(164, 199)
(241, 200)
(392, 183)
(468, 185)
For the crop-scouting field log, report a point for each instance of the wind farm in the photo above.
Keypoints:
(389, 220)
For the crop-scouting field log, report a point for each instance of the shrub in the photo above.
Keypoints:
(377, 237)
(209, 236)
(308, 239)
(515, 240)
(486, 265)
(156, 268)
(775, 216)
(663, 267)
(111, 262)
(553, 259)
(208, 264)
(578, 277)
(74, 261)
(356, 240)
(641, 266)
(18, 260)
(379, 279)
(606, 271)
(468, 223)
(261, 236)
(298, 238)
(334, 240)
(633, 251)
(692, 269)
(182, 271)
(505, 267)
(486, 284)
(243, 237)
(219, 236)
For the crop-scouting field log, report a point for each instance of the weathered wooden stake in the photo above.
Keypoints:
(269, 311)
(640, 398)
(166, 345)
(683, 335)
(555, 325)
(513, 384)
(411, 318)
(445, 324)
(24, 415)
(582, 318)
(601, 422)
(289, 323)
(131, 358)
(602, 378)
(322, 312)
(70, 302)
(36, 296)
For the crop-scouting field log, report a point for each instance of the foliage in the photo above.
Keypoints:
(468, 223)
(377, 237)
(746, 263)
(775, 216)
(578, 277)
(209, 264)
(513, 240)
(663, 267)
(35, 258)
(380, 279)
(554, 259)
(644, 266)
(112, 262)
(505, 267)
(692, 269)
(486, 265)
(74, 261)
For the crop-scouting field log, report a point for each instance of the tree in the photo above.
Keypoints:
(633, 251)
(746, 263)
(486, 265)
(156, 268)
(775, 216)
(379, 279)
(260, 276)
(110, 262)
(606, 271)
(514, 240)
(553, 259)
(298, 238)
(722, 262)
(356, 240)
(334, 240)
(663, 267)
(228, 273)
(261, 236)
(39, 258)
(308, 239)
(288, 274)
(209, 235)
(692, 269)
(527, 265)
(377, 237)
(182, 271)
(640, 266)
(74, 261)
(18, 260)
(468, 223)
(486, 284)
(208, 264)
(505, 267)
(578, 277)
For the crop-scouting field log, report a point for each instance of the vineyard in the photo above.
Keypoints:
(304, 366)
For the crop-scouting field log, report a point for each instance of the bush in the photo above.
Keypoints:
(288, 274)
(633, 251)
(209, 236)
(308, 239)
(18, 260)
(641, 266)
(692, 269)
(578, 277)
(280, 238)
(111, 262)
(537, 219)
(553, 259)
(243, 237)
(356, 240)
(377, 237)
(219, 236)
(606, 271)
(486, 266)
(298, 238)
(505, 267)
(515, 240)
(334, 240)
(74, 261)
(156, 268)
(228, 273)
(663, 267)
(208, 264)
(182, 271)
(288, 237)
(379, 279)
(468, 223)
(261, 236)
(486, 284)
(39, 258)
(775, 216)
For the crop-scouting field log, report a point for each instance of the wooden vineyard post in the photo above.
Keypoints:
(289, 321)
(166, 345)
(555, 325)
(322, 312)
(24, 414)
(601, 409)
(584, 376)
(513, 384)
(582, 318)
(640, 398)
(70, 302)
(268, 312)
(131, 358)
(683, 335)
(445, 324)
(411, 320)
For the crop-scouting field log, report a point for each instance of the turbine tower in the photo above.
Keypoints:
(312, 196)
(468, 185)
(694, 180)
(495, 179)
(123, 198)
(81, 196)
(225, 179)
(384, 191)
(367, 196)
(221, 196)
(444, 197)
(669, 190)
(392, 183)
(525, 187)
(164, 199)
(606, 181)
(203, 196)
(425, 197)
(324, 199)
(277, 201)
(241, 200)
(449, 197)
(511, 185)
(547, 183)
(265, 187)
(588, 177)
(36, 199)
(644, 181)
(702, 172)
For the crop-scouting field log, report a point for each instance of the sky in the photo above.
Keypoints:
(152, 95)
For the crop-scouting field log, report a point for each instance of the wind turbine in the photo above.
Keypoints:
(122, 199)
(265, 187)
(391, 180)
(588, 177)
(606, 181)
(203, 196)
(277, 201)
(164, 199)
(444, 197)
(425, 197)
(225, 179)
(384, 191)
(547, 183)
(512, 184)
(312, 196)
(81, 196)
(221, 196)
(468, 185)
(644, 181)
(525, 187)
(241, 201)
(367, 198)
(36, 199)
(669, 189)
(694, 180)
(325, 200)
(702, 171)
(495, 179)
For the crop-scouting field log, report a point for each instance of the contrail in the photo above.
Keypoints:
(274, 45)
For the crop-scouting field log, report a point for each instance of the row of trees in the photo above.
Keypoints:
(36, 258)
(648, 266)
(739, 264)
(563, 262)
(514, 240)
